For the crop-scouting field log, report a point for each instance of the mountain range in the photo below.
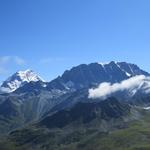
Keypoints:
(86, 103)
(78, 77)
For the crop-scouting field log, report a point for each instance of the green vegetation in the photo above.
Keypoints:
(107, 130)
(135, 137)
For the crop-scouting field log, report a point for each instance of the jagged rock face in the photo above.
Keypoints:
(82, 76)
(19, 79)
(86, 112)
(17, 109)
(65, 127)
(90, 75)
(32, 87)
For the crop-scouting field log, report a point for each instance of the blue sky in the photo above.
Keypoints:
(50, 36)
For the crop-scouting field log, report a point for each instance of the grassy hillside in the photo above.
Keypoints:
(115, 126)
(135, 137)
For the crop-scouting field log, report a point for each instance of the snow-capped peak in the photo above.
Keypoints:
(29, 75)
(127, 68)
(19, 79)
(107, 63)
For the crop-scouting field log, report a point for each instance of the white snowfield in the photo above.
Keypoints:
(18, 79)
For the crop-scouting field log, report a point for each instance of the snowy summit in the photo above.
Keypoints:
(19, 79)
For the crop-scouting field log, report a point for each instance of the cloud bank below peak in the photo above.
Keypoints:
(132, 85)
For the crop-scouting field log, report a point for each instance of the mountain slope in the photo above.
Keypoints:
(106, 125)
(17, 110)
(86, 112)
(70, 126)
(85, 76)
(19, 79)
(134, 136)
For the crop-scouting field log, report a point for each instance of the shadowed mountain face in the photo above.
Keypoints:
(132, 135)
(31, 87)
(17, 110)
(86, 112)
(84, 76)
(81, 120)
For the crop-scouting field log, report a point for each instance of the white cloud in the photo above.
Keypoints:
(4, 59)
(11, 59)
(7, 61)
(106, 89)
(19, 60)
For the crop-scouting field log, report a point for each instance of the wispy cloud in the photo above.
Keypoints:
(6, 61)
(106, 89)
(12, 59)
(19, 60)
